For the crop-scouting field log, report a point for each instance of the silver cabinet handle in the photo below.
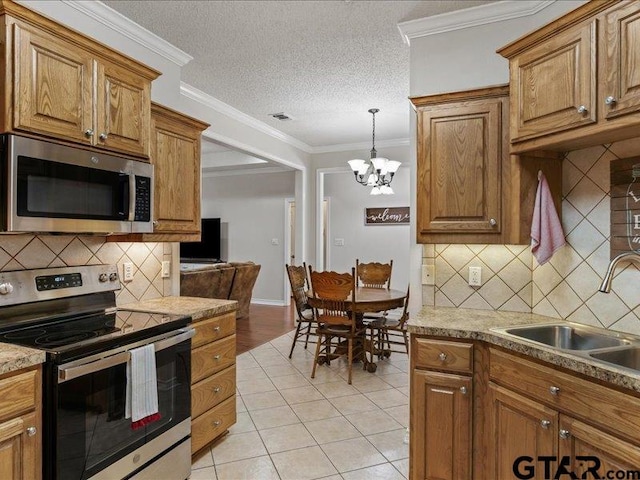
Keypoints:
(545, 423)
(155, 223)
(88, 133)
(216, 329)
(582, 109)
(610, 100)
(31, 431)
(216, 357)
(564, 434)
(554, 390)
(216, 390)
(217, 423)
(493, 222)
(442, 357)
(463, 390)
(103, 136)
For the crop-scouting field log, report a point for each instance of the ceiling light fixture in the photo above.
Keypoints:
(378, 172)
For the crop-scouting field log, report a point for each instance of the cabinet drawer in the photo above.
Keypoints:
(597, 404)
(212, 424)
(18, 393)
(212, 358)
(213, 329)
(212, 390)
(443, 355)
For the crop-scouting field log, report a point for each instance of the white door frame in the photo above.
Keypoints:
(287, 247)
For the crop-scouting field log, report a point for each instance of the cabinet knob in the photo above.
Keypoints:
(155, 223)
(463, 390)
(88, 133)
(493, 222)
(545, 423)
(216, 329)
(554, 390)
(31, 431)
(442, 356)
(103, 136)
(610, 100)
(216, 357)
(582, 109)
(216, 390)
(564, 434)
(217, 423)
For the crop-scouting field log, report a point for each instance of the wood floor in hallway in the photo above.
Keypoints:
(265, 323)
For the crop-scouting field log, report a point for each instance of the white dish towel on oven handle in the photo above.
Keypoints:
(142, 385)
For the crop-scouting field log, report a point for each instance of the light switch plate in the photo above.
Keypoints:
(475, 276)
(127, 272)
(338, 242)
(428, 275)
(166, 269)
(275, 241)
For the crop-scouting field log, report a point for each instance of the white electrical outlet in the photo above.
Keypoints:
(428, 275)
(127, 272)
(475, 276)
(166, 269)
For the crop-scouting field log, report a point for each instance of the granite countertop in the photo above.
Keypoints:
(478, 324)
(14, 357)
(197, 307)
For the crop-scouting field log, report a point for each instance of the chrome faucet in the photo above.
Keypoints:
(608, 277)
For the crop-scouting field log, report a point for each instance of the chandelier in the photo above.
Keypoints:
(378, 171)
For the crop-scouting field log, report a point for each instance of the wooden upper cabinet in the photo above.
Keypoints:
(575, 82)
(65, 85)
(620, 60)
(175, 153)
(553, 85)
(461, 157)
(53, 86)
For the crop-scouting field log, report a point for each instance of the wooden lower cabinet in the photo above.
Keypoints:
(20, 425)
(441, 426)
(213, 379)
(506, 416)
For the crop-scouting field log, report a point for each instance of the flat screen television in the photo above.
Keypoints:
(208, 248)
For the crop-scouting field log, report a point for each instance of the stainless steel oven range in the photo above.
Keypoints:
(70, 313)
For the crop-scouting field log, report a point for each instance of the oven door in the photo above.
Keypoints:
(54, 188)
(89, 436)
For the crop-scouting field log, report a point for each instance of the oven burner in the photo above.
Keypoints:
(63, 338)
(22, 334)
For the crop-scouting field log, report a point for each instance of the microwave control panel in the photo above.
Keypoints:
(143, 199)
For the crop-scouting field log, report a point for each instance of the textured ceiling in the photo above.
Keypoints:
(325, 63)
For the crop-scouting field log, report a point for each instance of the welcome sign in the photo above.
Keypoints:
(386, 216)
(625, 206)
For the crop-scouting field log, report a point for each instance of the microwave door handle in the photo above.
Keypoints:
(66, 374)
(132, 197)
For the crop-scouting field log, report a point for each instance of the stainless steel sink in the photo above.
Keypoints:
(567, 337)
(624, 357)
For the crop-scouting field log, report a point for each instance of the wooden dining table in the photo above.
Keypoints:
(368, 300)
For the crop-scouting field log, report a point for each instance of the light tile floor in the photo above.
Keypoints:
(291, 427)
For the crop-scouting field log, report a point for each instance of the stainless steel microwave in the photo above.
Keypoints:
(48, 187)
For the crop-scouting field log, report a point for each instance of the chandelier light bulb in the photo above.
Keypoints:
(378, 172)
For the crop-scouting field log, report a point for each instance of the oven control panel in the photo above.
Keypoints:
(23, 286)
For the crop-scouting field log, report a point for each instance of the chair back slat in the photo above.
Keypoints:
(374, 274)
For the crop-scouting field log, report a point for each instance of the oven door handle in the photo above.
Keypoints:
(69, 373)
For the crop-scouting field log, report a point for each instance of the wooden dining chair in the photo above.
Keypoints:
(306, 318)
(374, 274)
(389, 331)
(334, 292)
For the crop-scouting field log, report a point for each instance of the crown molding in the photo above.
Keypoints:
(470, 17)
(123, 25)
(226, 109)
(345, 147)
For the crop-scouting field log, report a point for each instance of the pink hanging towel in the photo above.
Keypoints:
(546, 230)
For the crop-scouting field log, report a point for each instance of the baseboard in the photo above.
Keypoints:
(263, 301)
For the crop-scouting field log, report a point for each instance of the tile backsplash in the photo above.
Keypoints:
(565, 287)
(20, 252)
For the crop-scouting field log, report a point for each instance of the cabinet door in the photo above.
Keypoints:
(520, 427)
(440, 426)
(53, 88)
(553, 84)
(459, 168)
(19, 451)
(123, 112)
(620, 65)
(176, 156)
(579, 439)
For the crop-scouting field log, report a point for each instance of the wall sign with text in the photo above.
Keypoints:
(386, 216)
(625, 205)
